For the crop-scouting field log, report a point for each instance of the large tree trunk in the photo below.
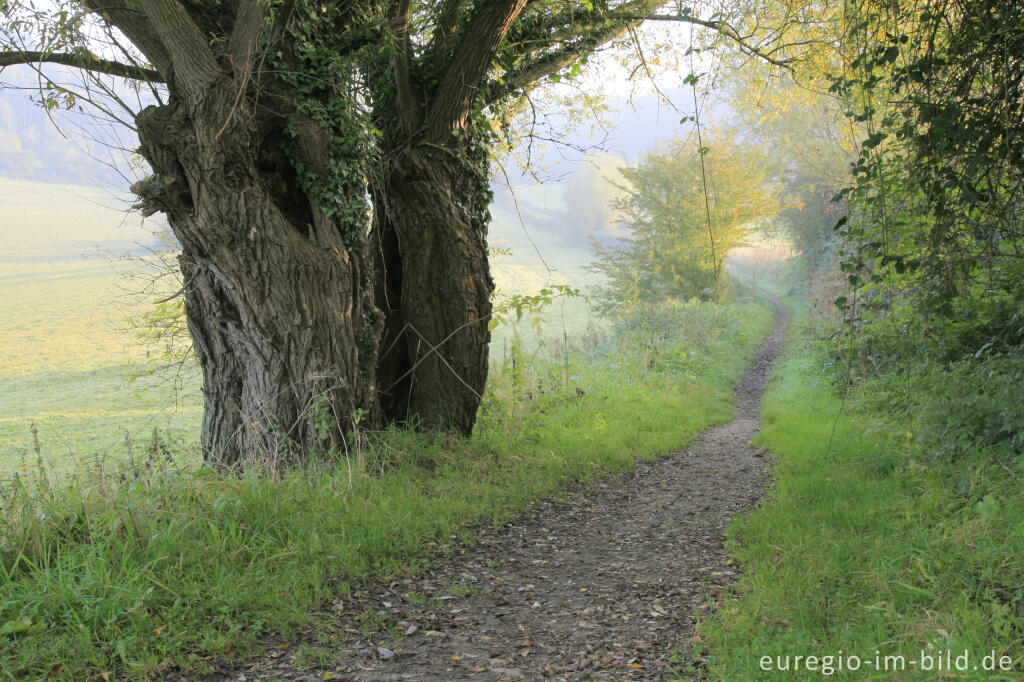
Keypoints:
(434, 284)
(431, 202)
(277, 295)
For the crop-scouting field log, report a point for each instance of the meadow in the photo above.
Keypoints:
(164, 566)
(76, 387)
(66, 301)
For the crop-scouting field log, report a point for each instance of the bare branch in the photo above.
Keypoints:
(719, 27)
(86, 61)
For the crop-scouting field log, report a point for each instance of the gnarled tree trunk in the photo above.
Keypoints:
(434, 285)
(431, 215)
(277, 294)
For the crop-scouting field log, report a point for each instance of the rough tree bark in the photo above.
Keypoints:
(431, 196)
(431, 216)
(278, 293)
(434, 285)
(278, 305)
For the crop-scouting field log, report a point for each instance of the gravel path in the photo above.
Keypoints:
(602, 586)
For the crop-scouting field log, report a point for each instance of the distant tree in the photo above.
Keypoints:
(673, 251)
(590, 196)
(813, 145)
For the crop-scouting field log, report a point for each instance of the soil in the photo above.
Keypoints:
(606, 584)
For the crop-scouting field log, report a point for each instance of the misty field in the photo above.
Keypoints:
(76, 387)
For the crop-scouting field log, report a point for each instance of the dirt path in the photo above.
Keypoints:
(603, 586)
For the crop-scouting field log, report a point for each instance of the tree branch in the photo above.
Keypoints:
(604, 29)
(609, 27)
(86, 61)
(128, 18)
(447, 23)
(468, 68)
(191, 57)
(719, 27)
(408, 103)
(554, 61)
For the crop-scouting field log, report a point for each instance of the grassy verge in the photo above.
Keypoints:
(872, 547)
(160, 569)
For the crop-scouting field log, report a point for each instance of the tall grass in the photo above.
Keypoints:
(160, 569)
(870, 543)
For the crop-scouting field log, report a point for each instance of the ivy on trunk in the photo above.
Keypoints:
(258, 166)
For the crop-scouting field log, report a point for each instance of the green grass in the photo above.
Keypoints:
(154, 572)
(68, 349)
(872, 545)
(118, 555)
(65, 304)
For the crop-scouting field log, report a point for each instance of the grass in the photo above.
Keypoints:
(869, 543)
(65, 302)
(66, 297)
(118, 555)
(159, 568)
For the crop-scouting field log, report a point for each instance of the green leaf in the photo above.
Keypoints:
(13, 627)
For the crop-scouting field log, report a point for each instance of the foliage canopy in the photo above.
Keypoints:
(680, 236)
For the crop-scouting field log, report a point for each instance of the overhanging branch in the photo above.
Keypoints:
(609, 27)
(555, 61)
(719, 27)
(468, 67)
(81, 61)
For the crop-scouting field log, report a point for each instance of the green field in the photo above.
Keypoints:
(65, 304)
(130, 576)
(67, 297)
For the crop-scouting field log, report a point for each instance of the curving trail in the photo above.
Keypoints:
(602, 586)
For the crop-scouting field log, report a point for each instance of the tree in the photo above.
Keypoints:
(453, 73)
(273, 120)
(678, 241)
(813, 145)
(589, 195)
(933, 247)
(257, 150)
